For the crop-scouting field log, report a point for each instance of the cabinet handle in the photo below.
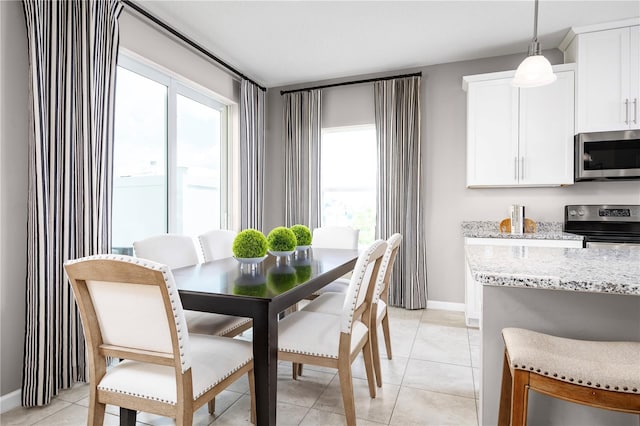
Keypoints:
(626, 111)
(515, 168)
(635, 110)
(521, 167)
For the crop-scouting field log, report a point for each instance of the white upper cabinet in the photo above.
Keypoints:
(520, 137)
(608, 76)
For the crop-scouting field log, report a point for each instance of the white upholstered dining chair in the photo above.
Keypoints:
(217, 244)
(334, 341)
(177, 251)
(130, 310)
(337, 237)
(332, 303)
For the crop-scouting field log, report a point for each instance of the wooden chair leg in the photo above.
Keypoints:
(387, 335)
(504, 414)
(346, 387)
(368, 366)
(519, 397)
(212, 406)
(376, 355)
(252, 395)
(96, 411)
(294, 370)
(300, 369)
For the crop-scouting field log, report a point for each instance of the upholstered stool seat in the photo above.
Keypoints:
(598, 374)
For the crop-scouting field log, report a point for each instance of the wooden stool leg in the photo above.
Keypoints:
(504, 414)
(519, 397)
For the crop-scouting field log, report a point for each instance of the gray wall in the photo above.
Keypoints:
(448, 201)
(13, 192)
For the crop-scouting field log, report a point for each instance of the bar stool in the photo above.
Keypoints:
(598, 374)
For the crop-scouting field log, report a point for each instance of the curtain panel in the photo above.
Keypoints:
(252, 155)
(72, 64)
(400, 203)
(302, 130)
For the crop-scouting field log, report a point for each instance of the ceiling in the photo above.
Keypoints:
(280, 43)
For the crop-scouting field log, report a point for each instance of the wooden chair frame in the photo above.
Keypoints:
(121, 272)
(345, 355)
(384, 321)
(517, 383)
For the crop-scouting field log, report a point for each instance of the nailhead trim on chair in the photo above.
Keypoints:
(185, 360)
(579, 381)
(149, 397)
(346, 327)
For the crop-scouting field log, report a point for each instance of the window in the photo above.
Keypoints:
(348, 179)
(170, 157)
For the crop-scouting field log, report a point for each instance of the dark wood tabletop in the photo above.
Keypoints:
(225, 286)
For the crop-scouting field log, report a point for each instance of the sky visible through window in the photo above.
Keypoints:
(348, 179)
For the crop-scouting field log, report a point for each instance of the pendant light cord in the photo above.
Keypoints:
(535, 22)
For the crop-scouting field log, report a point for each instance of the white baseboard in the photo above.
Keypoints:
(10, 401)
(445, 306)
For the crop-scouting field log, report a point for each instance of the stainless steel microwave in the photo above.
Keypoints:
(607, 155)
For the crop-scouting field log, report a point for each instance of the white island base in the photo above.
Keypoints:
(572, 314)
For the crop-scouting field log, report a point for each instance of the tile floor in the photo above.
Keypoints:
(431, 380)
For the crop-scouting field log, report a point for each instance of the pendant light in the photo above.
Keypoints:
(535, 70)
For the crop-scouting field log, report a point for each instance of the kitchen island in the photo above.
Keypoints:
(570, 292)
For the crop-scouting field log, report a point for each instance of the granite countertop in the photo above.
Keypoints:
(491, 229)
(594, 270)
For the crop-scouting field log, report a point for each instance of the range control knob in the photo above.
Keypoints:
(581, 212)
(572, 212)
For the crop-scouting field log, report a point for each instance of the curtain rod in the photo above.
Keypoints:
(187, 40)
(348, 83)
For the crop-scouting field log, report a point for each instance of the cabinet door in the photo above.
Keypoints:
(492, 133)
(546, 132)
(603, 80)
(634, 77)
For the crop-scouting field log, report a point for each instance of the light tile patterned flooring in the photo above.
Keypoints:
(431, 380)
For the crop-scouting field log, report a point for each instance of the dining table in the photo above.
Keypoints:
(262, 292)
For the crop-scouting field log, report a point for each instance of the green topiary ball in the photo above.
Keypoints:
(281, 239)
(303, 235)
(249, 243)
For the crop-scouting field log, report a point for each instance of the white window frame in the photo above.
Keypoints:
(180, 86)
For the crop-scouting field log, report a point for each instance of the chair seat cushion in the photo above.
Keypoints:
(331, 303)
(326, 303)
(313, 333)
(213, 360)
(214, 324)
(338, 286)
(603, 365)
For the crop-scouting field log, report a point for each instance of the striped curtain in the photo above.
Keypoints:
(302, 130)
(400, 200)
(251, 155)
(72, 63)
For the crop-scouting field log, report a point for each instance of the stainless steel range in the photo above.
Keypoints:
(604, 225)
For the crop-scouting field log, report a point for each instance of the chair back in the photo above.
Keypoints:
(339, 237)
(175, 251)
(360, 291)
(386, 268)
(217, 244)
(130, 309)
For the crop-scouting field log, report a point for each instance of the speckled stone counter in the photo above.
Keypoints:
(491, 229)
(577, 293)
(595, 270)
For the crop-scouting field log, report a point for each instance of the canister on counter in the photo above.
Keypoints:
(516, 214)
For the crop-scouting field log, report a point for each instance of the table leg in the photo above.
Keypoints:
(127, 417)
(265, 362)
